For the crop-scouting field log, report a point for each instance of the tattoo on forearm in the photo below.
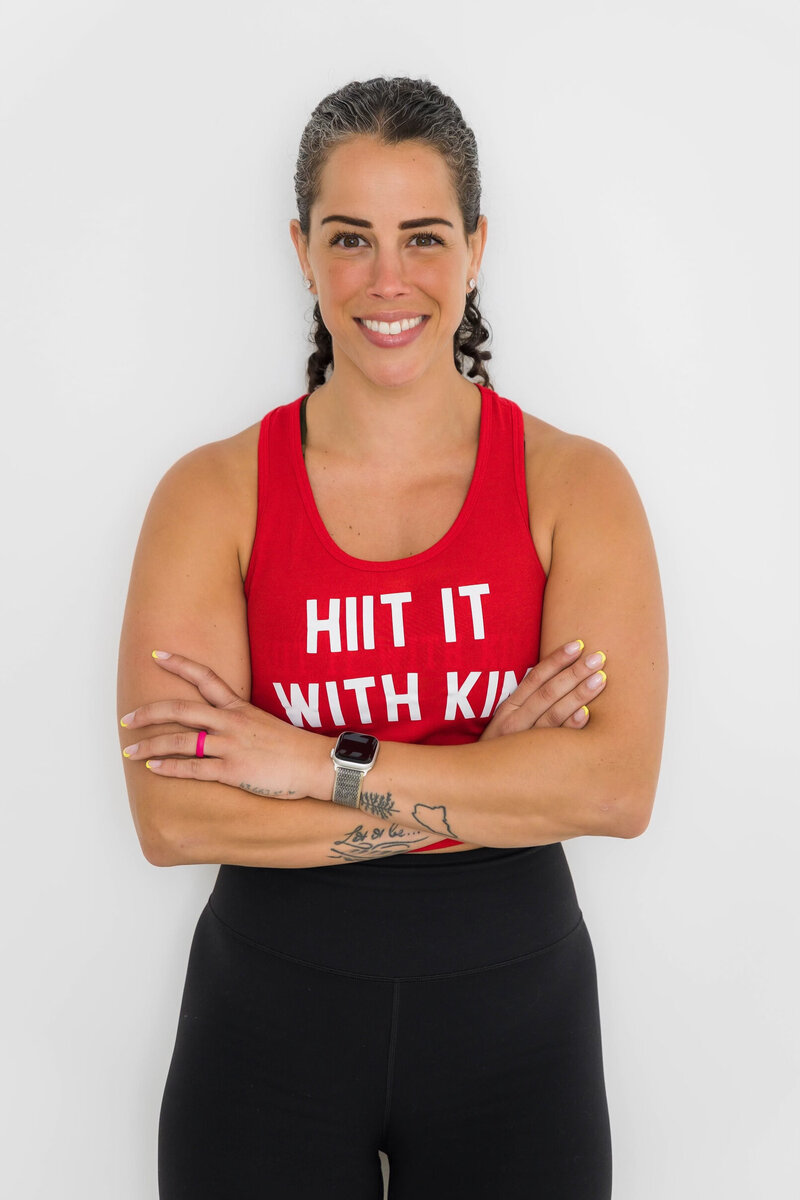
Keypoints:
(376, 804)
(374, 842)
(433, 818)
(258, 791)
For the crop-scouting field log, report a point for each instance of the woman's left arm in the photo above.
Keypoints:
(530, 786)
(544, 785)
(540, 786)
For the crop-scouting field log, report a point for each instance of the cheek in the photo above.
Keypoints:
(344, 278)
(445, 282)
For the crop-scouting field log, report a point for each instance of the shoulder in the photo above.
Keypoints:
(211, 493)
(220, 466)
(545, 443)
(570, 478)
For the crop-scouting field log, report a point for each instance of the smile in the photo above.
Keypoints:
(391, 327)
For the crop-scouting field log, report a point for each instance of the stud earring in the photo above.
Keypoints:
(306, 282)
(472, 285)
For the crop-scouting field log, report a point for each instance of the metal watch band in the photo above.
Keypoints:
(347, 786)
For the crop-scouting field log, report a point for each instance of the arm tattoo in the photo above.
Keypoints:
(433, 818)
(376, 804)
(257, 791)
(379, 841)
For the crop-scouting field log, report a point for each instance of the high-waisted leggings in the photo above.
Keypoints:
(441, 1008)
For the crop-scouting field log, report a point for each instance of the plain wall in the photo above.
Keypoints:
(641, 180)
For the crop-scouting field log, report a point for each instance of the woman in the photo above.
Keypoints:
(362, 576)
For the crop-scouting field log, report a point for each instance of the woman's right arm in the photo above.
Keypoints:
(186, 591)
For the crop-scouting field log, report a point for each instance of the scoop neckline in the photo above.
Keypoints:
(365, 564)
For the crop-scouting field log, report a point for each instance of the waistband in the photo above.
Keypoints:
(407, 916)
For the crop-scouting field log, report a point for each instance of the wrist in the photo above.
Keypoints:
(323, 768)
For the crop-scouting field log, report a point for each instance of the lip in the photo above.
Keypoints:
(391, 315)
(390, 341)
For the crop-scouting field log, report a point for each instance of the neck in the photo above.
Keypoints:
(354, 417)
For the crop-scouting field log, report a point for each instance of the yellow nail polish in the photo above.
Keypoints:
(585, 709)
(605, 677)
(605, 656)
(122, 723)
(125, 754)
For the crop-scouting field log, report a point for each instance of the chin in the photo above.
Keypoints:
(404, 371)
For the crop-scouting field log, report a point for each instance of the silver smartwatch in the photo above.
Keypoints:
(353, 755)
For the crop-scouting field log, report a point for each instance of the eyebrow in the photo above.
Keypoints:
(417, 223)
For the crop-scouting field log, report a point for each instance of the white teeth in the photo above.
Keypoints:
(392, 326)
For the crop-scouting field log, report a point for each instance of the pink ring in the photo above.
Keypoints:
(201, 742)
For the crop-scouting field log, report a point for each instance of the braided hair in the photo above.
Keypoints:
(395, 110)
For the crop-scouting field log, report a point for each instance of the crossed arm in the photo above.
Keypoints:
(262, 797)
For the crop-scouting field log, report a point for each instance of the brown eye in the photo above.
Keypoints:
(348, 241)
(426, 239)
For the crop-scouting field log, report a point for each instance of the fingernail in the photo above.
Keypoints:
(153, 762)
(596, 660)
(596, 680)
(161, 654)
(573, 647)
(582, 714)
(124, 720)
(129, 750)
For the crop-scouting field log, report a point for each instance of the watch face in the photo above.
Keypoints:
(357, 748)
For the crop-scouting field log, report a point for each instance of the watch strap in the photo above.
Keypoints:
(347, 786)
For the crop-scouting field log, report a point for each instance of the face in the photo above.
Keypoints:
(389, 260)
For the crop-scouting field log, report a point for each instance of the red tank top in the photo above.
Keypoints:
(419, 649)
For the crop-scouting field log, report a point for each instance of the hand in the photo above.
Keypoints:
(245, 747)
(556, 692)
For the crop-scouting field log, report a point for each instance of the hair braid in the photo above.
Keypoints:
(469, 337)
(322, 357)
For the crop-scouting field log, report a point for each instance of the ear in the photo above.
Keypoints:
(301, 246)
(477, 245)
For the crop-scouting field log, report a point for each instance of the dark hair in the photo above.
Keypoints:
(395, 110)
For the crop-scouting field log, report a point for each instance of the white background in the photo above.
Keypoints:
(640, 163)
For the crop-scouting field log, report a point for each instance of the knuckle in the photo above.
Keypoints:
(501, 719)
(507, 714)
(536, 677)
(548, 720)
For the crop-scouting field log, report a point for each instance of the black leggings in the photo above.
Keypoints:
(441, 1008)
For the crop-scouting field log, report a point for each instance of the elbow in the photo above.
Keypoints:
(629, 816)
(158, 854)
(624, 801)
(159, 849)
(634, 822)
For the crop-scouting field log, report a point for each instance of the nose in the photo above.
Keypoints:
(387, 280)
